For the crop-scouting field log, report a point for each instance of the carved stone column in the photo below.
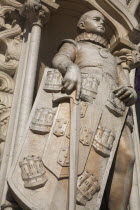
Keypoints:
(35, 15)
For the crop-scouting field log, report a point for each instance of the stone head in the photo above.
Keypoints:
(92, 22)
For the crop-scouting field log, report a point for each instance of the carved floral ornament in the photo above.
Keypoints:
(130, 58)
(35, 11)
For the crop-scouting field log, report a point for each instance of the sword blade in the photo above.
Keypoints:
(74, 152)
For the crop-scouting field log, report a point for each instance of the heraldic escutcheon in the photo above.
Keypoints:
(77, 151)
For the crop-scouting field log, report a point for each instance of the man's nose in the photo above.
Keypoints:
(101, 21)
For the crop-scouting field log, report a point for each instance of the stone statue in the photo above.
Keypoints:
(87, 59)
(86, 76)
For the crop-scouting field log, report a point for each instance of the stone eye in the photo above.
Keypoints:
(98, 19)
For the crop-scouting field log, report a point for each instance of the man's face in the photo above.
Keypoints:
(94, 23)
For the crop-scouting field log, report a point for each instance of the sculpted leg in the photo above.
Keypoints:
(123, 173)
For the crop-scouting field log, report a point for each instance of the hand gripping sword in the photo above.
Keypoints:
(74, 151)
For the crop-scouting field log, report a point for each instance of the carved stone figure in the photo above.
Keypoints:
(88, 59)
(83, 102)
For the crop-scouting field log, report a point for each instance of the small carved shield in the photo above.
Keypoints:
(60, 127)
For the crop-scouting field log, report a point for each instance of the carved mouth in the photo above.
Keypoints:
(101, 27)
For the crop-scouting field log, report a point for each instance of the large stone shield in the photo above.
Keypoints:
(39, 178)
(43, 158)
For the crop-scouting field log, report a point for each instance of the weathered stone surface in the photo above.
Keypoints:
(80, 124)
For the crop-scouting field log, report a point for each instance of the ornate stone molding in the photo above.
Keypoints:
(10, 39)
(11, 24)
(130, 58)
(13, 3)
(6, 96)
(12, 18)
(35, 12)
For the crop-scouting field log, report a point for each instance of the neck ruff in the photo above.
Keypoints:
(94, 38)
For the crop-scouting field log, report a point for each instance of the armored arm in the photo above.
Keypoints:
(122, 78)
(125, 91)
(66, 56)
(64, 61)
